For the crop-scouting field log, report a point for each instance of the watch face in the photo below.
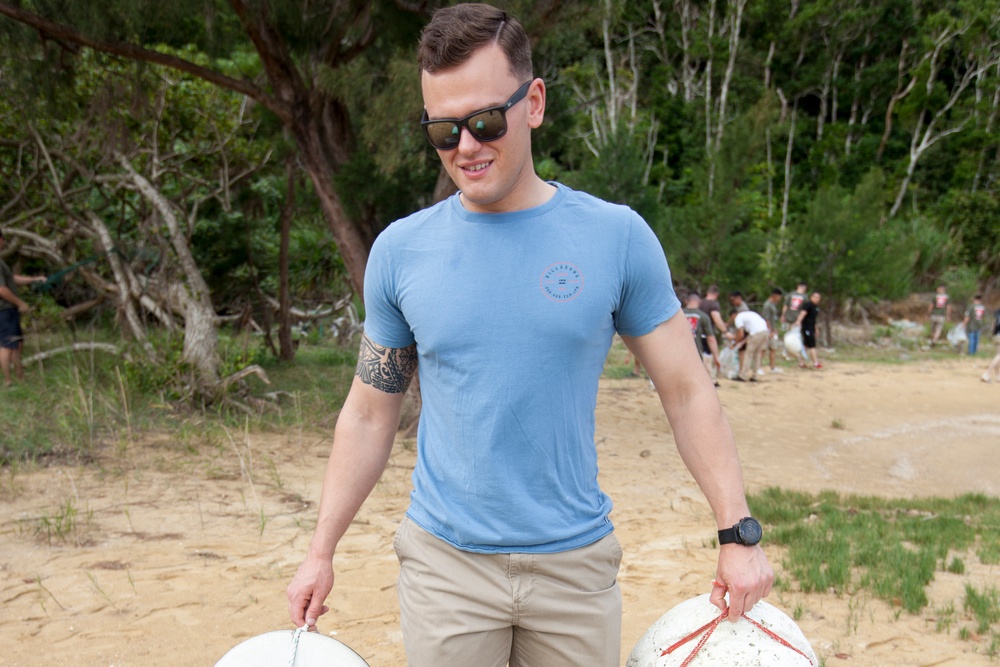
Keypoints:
(750, 531)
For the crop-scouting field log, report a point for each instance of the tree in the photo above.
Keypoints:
(119, 189)
(297, 45)
(839, 247)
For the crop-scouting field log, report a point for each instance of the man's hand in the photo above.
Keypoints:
(23, 308)
(307, 591)
(745, 573)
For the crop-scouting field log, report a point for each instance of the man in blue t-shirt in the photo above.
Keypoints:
(507, 296)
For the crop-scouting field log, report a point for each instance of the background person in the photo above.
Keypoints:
(808, 315)
(975, 314)
(737, 305)
(11, 309)
(793, 304)
(939, 311)
(710, 306)
(751, 329)
(772, 315)
(704, 336)
(993, 372)
(507, 554)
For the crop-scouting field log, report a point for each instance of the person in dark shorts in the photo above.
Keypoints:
(11, 307)
(807, 320)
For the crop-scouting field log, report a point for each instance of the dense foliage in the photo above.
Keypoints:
(852, 144)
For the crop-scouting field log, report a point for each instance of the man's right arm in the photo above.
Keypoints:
(720, 326)
(7, 295)
(362, 443)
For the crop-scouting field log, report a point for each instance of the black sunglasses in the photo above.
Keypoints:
(485, 124)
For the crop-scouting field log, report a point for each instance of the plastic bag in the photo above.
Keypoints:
(730, 361)
(793, 340)
(957, 336)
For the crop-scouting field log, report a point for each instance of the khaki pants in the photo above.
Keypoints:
(756, 344)
(461, 609)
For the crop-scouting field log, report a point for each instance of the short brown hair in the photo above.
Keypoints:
(455, 33)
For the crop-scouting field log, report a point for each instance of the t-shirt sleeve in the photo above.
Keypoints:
(384, 320)
(648, 297)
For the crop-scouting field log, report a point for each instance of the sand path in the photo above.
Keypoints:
(175, 554)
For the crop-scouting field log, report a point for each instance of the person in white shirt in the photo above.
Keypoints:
(752, 328)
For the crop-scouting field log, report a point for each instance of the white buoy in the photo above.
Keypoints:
(294, 648)
(746, 643)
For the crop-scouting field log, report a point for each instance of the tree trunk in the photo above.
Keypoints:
(736, 25)
(709, 154)
(901, 92)
(200, 332)
(126, 305)
(788, 166)
(683, 8)
(286, 348)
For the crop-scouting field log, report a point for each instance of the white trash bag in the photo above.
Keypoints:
(957, 336)
(793, 340)
(294, 648)
(730, 361)
(764, 637)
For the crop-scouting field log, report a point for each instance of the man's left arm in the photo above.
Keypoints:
(706, 444)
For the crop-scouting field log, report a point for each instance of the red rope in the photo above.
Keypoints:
(706, 631)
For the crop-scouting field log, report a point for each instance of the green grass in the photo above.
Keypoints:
(984, 607)
(74, 404)
(891, 547)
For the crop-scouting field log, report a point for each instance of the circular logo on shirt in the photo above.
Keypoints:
(561, 282)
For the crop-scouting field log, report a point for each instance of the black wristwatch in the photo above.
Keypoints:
(747, 532)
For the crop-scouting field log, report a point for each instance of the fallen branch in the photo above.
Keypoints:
(75, 347)
(253, 369)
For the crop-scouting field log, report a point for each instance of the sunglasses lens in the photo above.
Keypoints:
(444, 135)
(488, 125)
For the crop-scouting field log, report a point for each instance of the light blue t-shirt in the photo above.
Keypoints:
(513, 315)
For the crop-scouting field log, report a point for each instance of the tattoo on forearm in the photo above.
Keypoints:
(387, 369)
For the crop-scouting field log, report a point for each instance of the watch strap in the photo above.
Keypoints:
(728, 536)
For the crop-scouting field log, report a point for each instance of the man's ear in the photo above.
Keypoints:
(536, 103)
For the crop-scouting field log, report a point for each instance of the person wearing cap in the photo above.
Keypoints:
(506, 297)
(11, 309)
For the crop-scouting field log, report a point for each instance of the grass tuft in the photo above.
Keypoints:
(891, 547)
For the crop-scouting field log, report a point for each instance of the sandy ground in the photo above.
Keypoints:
(177, 554)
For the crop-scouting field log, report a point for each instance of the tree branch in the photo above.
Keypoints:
(75, 347)
(134, 52)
